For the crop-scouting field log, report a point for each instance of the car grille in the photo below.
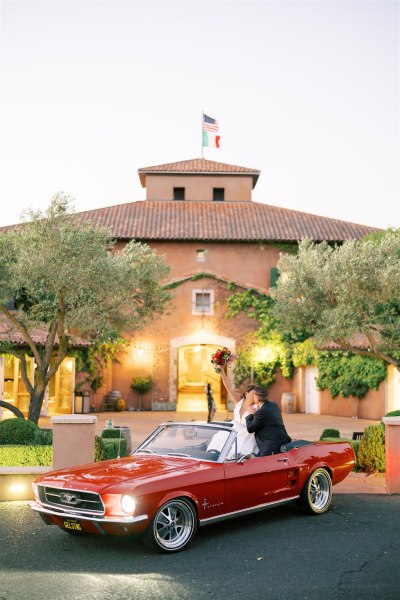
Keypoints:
(75, 501)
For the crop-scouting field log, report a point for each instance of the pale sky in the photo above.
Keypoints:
(305, 91)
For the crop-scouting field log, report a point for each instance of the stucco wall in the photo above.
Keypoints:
(372, 406)
(248, 264)
(198, 187)
(149, 350)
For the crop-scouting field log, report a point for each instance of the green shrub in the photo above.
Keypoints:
(330, 433)
(108, 448)
(26, 456)
(371, 453)
(111, 433)
(44, 437)
(17, 432)
(356, 448)
(98, 449)
(114, 447)
(393, 413)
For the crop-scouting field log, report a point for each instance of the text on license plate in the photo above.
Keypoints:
(72, 524)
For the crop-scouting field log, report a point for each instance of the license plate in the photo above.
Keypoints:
(72, 524)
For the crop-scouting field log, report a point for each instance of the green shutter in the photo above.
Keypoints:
(275, 274)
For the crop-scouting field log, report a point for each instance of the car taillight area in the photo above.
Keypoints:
(76, 501)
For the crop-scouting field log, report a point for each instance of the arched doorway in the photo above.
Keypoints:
(191, 369)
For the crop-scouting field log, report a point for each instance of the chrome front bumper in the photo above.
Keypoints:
(75, 515)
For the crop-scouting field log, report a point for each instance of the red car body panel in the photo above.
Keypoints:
(218, 490)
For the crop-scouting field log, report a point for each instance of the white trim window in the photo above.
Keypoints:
(201, 255)
(202, 302)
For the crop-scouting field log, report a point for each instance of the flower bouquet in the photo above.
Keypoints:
(222, 358)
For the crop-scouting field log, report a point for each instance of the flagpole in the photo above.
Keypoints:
(202, 122)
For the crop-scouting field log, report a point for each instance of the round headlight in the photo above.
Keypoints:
(128, 504)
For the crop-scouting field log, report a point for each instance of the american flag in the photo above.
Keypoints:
(210, 124)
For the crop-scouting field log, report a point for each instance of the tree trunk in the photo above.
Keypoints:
(35, 405)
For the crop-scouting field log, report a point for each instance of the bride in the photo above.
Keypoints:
(246, 443)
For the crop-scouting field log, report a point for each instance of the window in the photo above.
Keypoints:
(201, 255)
(179, 193)
(218, 194)
(203, 302)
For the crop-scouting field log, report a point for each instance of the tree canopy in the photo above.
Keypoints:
(347, 294)
(65, 275)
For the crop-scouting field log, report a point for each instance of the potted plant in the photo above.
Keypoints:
(141, 385)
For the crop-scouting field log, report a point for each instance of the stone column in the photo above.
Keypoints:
(392, 451)
(73, 440)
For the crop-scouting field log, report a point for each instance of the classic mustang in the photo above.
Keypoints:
(185, 475)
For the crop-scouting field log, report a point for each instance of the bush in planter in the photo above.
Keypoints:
(44, 437)
(110, 445)
(18, 432)
(111, 433)
(330, 433)
(393, 413)
(371, 454)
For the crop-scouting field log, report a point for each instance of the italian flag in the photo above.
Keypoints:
(210, 140)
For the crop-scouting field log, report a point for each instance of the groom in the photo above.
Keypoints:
(265, 421)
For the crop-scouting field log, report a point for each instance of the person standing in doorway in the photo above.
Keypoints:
(210, 403)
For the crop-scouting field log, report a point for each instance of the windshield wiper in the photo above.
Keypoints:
(147, 451)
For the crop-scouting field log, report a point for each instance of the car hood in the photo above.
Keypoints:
(99, 476)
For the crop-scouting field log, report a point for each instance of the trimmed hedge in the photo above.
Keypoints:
(21, 432)
(111, 433)
(393, 413)
(26, 456)
(18, 432)
(108, 448)
(330, 433)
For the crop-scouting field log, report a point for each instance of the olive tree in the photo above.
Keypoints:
(340, 293)
(67, 279)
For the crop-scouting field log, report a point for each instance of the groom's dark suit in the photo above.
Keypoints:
(268, 427)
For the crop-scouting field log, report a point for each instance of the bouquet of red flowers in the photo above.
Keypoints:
(222, 358)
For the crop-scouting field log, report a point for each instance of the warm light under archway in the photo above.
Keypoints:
(201, 338)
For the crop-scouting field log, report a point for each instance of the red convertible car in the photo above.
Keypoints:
(186, 475)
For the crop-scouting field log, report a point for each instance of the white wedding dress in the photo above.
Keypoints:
(246, 442)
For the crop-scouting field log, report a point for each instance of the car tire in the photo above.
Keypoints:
(173, 526)
(316, 497)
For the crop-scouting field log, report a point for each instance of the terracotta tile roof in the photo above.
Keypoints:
(197, 166)
(219, 221)
(359, 341)
(9, 333)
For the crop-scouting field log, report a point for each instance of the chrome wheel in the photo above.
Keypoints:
(173, 526)
(316, 496)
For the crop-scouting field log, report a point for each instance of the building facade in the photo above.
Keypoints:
(200, 216)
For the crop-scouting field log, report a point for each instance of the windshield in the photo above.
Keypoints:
(186, 440)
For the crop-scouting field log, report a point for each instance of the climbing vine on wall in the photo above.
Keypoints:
(267, 350)
(345, 374)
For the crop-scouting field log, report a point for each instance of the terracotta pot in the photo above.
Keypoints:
(120, 405)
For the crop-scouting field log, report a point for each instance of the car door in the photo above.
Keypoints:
(256, 481)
